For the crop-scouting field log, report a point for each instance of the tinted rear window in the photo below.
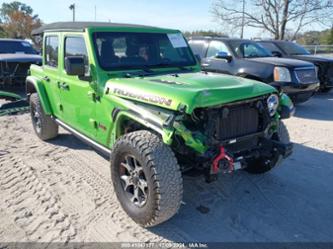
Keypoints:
(16, 47)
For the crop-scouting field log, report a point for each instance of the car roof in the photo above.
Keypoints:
(221, 38)
(81, 26)
(274, 41)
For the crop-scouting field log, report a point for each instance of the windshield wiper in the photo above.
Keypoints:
(143, 71)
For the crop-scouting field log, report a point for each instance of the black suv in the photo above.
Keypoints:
(16, 56)
(293, 50)
(248, 59)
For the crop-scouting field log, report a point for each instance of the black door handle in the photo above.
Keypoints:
(63, 85)
(46, 78)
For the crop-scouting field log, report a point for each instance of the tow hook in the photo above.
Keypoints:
(225, 160)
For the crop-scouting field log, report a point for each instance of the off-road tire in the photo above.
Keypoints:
(162, 174)
(46, 129)
(258, 166)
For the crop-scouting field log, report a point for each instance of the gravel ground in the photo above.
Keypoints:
(61, 191)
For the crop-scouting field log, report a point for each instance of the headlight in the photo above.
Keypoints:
(272, 104)
(282, 74)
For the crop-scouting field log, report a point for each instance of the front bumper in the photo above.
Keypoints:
(226, 162)
(296, 91)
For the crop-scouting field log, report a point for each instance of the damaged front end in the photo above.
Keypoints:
(226, 138)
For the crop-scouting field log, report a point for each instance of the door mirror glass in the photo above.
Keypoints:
(74, 65)
(223, 55)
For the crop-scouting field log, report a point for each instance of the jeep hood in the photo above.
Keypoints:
(190, 90)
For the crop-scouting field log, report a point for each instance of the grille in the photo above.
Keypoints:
(238, 121)
(306, 76)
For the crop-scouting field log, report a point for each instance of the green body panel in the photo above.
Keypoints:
(99, 108)
(286, 101)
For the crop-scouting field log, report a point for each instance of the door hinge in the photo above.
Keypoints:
(93, 96)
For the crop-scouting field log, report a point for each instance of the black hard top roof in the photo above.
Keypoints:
(66, 26)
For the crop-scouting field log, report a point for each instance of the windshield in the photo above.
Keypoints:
(293, 48)
(16, 47)
(128, 50)
(249, 49)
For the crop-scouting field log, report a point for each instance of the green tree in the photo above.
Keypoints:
(204, 33)
(17, 20)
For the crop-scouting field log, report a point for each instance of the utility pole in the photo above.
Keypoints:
(243, 20)
(72, 8)
(95, 13)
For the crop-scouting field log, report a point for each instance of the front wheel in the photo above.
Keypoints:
(44, 126)
(146, 178)
(260, 165)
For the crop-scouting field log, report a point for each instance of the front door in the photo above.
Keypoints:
(77, 96)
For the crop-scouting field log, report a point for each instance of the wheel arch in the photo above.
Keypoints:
(129, 121)
(33, 85)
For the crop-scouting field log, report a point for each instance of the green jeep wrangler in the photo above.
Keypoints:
(137, 94)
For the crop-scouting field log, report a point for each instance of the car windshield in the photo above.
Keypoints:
(293, 48)
(129, 50)
(16, 47)
(249, 49)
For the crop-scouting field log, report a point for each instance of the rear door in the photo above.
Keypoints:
(51, 71)
(77, 95)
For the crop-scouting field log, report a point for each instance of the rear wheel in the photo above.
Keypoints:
(146, 178)
(261, 165)
(43, 124)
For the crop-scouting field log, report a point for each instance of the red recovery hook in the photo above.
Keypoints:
(223, 156)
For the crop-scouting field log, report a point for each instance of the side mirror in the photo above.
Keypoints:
(74, 65)
(276, 54)
(224, 56)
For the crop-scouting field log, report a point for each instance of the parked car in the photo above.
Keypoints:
(246, 58)
(138, 94)
(287, 49)
(16, 56)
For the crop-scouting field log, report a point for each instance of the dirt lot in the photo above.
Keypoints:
(61, 191)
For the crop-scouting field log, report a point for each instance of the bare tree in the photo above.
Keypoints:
(274, 16)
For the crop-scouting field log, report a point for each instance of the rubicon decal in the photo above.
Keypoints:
(145, 97)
